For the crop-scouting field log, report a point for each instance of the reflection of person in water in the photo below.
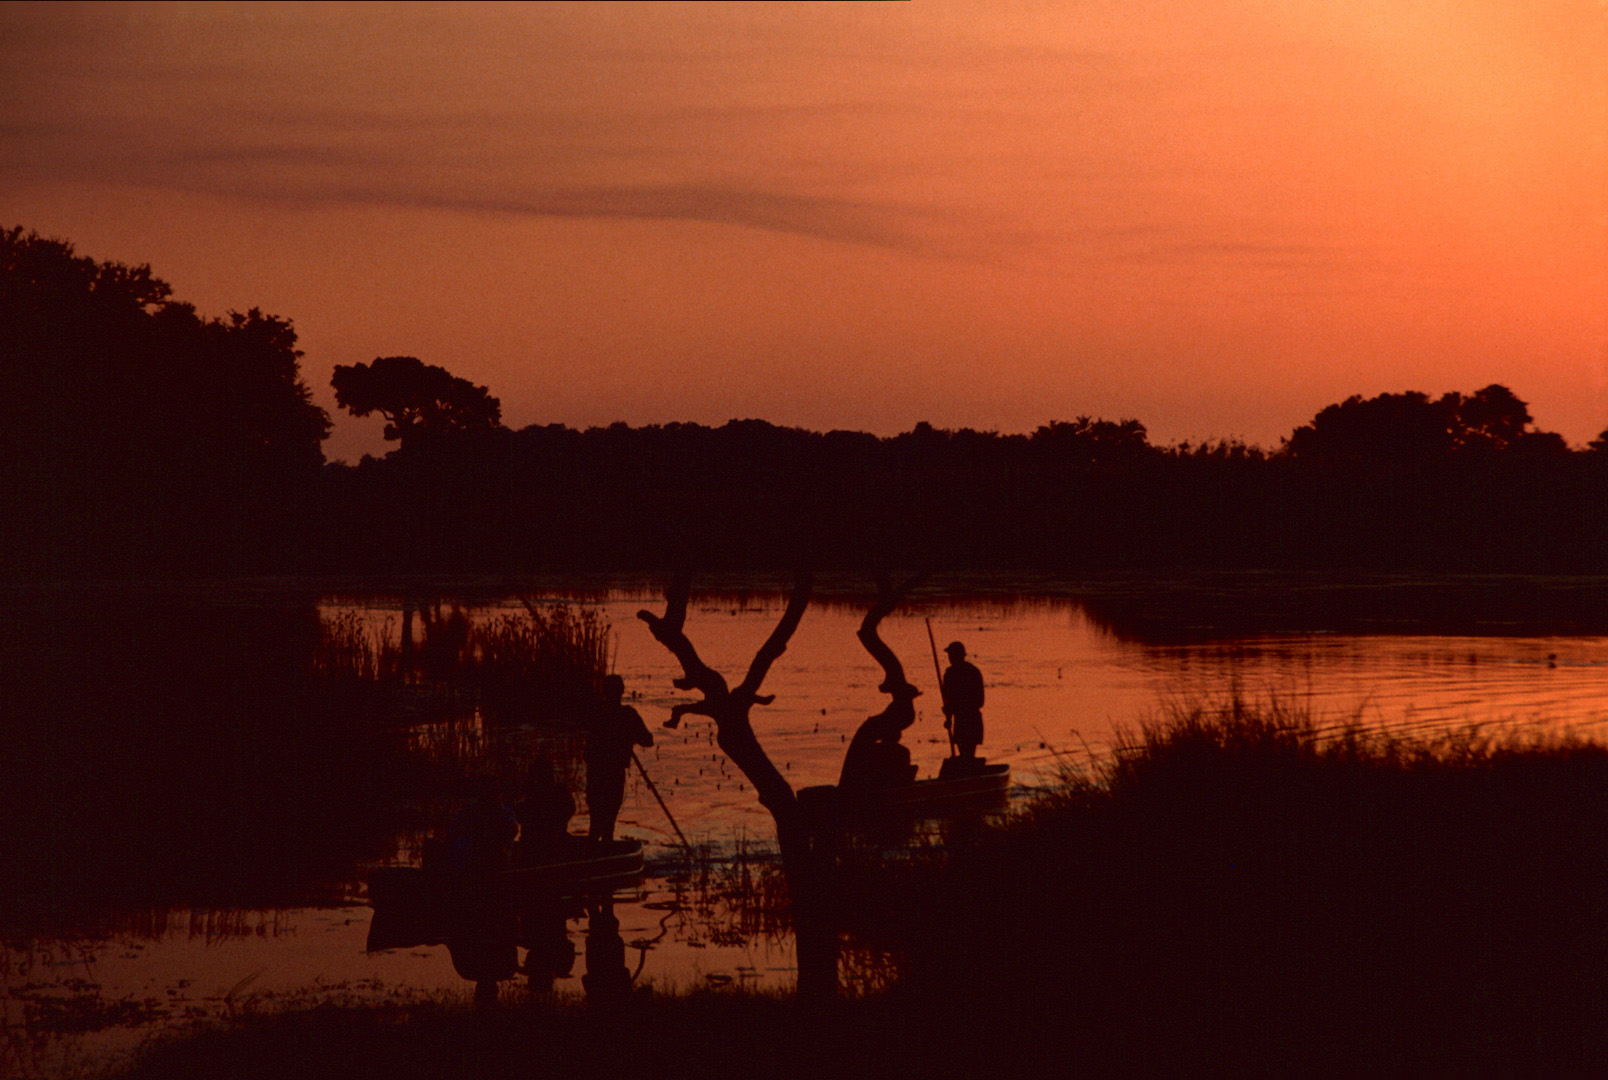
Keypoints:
(607, 981)
(612, 729)
(481, 943)
(544, 931)
(963, 702)
(544, 814)
(479, 922)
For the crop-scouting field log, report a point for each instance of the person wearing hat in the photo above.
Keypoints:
(963, 702)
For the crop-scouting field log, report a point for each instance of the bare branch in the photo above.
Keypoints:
(698, 708)
(888, 598)
(776, 644)
(668, 630)
(675, 599)
(698, 675)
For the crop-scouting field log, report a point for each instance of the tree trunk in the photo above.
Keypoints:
(807, 859)
(734, 733)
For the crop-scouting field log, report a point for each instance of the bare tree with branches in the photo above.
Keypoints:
(806, 855)
(729, 708)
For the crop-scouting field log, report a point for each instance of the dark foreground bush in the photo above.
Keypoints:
(700, 1036)
(1241, 890)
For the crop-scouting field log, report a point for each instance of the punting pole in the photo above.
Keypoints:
(939, 671)
(613, 653)
(662, 804)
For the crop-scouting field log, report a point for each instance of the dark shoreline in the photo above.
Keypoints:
(1240, 894)
(1143, 606)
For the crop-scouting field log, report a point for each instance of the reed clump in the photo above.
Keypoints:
(1240, 886)
(540, 665)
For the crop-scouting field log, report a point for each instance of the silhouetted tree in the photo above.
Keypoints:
(420, 402)
(1390, 427)
(1411, 427)
(135, 431)
(729, 708)
(1490, 419)
(1087, 440)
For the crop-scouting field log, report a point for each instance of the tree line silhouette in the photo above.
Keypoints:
(140, 437)
(137, 436)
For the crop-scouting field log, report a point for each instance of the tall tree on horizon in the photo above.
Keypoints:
(135, 432)
(422, 403)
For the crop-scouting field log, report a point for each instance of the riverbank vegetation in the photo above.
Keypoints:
(164, 752)
(145, 440)
(1237, 889)
(1244, 888)
(541, 664)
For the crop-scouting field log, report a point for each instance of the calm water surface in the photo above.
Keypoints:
(1060, 689)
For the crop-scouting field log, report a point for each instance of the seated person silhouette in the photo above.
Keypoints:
(876, 759)
(480, 839)
(544, 815)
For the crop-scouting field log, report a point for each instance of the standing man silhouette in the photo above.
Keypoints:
(612, 729)
(963, 702)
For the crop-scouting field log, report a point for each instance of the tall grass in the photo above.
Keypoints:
(1239, 886)
(534, 666)
(471, 694)
(538, 664)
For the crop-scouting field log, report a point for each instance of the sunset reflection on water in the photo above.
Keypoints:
(1061, 687)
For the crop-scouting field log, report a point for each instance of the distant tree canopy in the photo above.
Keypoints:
(1401, 481)
(138, 437)
(421, 403)
(1086, 440)
(133, 428)
(1411, 427)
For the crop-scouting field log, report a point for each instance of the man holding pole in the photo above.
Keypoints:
(613, 729)
(963, 702)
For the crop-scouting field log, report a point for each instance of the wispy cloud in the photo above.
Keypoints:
(367, 170)
(108, 109)
(824, 218)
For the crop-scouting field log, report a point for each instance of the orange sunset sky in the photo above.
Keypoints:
(1216, 216)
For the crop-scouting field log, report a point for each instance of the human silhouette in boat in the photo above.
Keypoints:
(544, 816)
(963, 704)
(480, 840)
(613, 730)
(876, 758)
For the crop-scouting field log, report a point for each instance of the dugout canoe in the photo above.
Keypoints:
(953, 791)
